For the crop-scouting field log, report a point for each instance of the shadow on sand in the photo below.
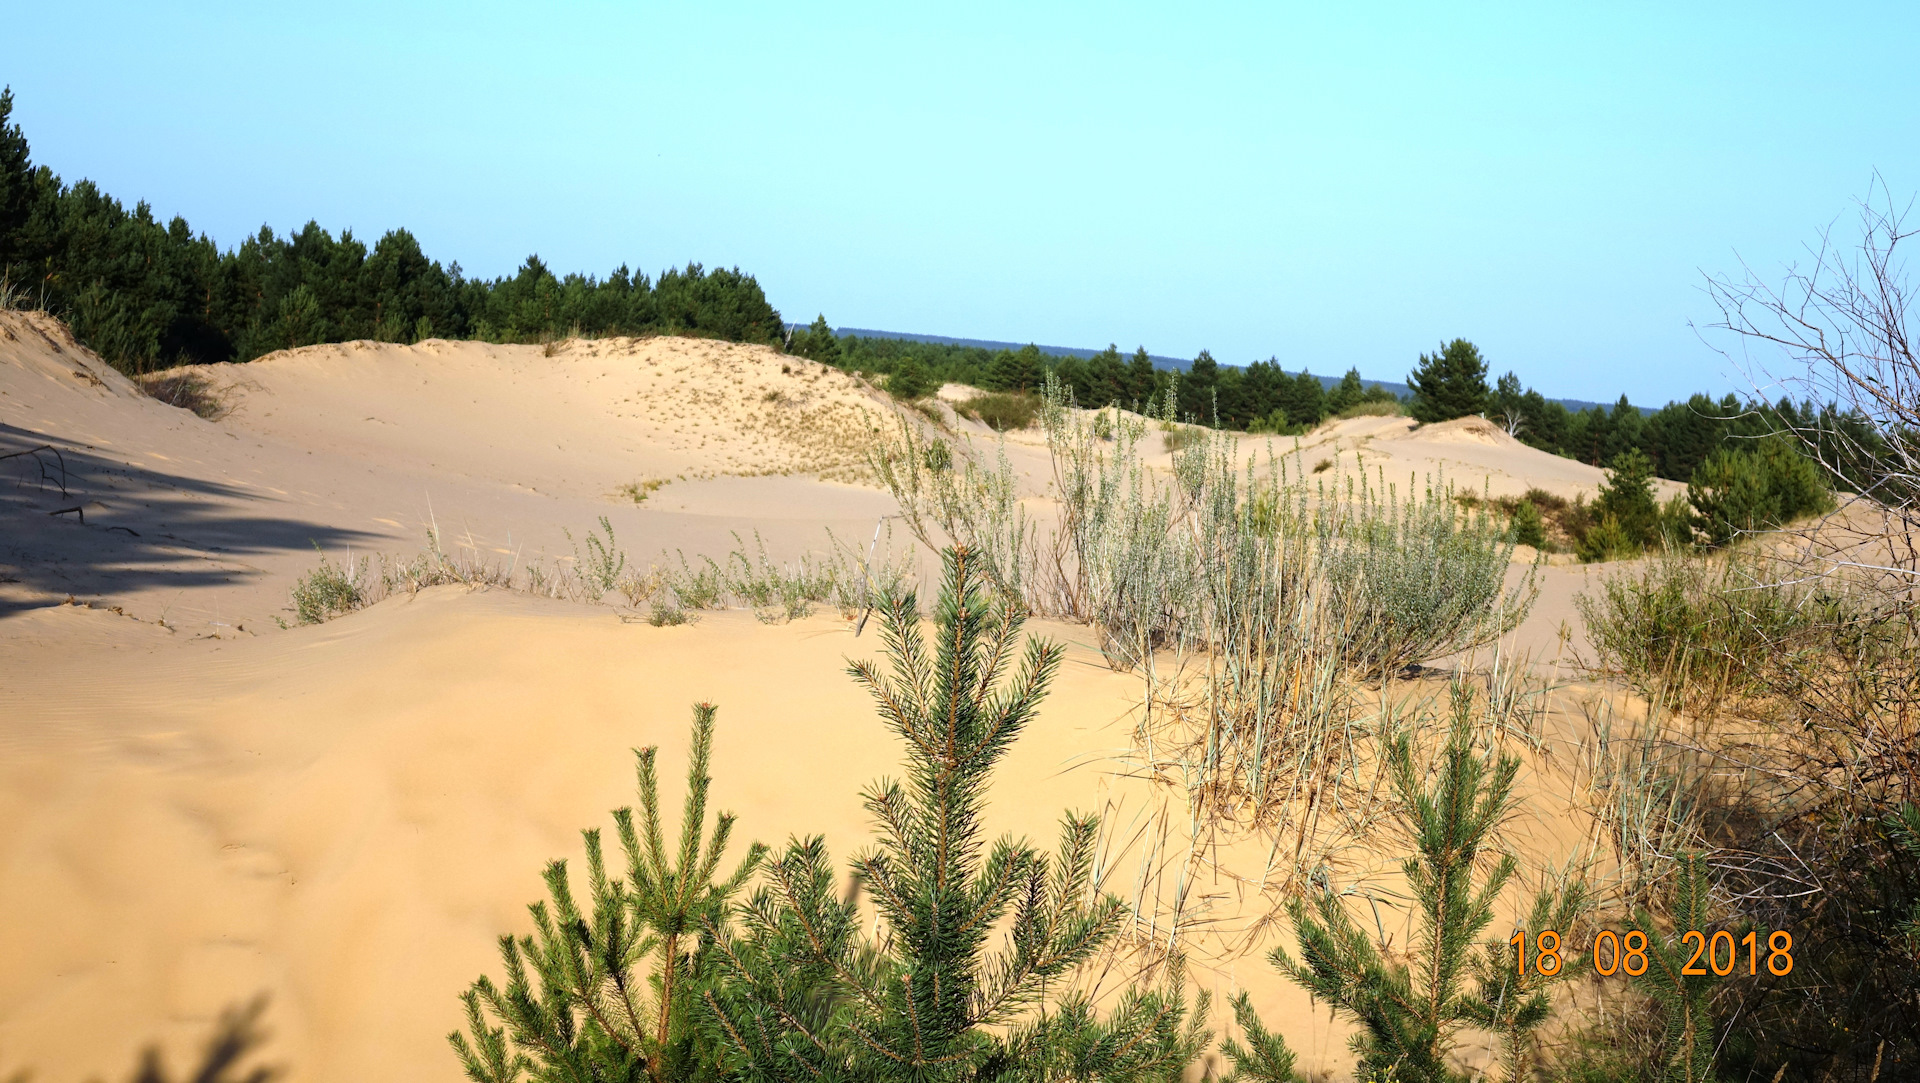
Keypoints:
(229, 1055)
(83, 524)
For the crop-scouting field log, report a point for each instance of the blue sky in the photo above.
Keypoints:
(1334, 185)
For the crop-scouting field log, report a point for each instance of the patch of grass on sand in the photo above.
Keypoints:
(638, 491)
(186, 390)
(1002, 411)
(1378, 408)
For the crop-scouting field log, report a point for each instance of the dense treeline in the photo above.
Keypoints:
(1261, 397)
(146, 294)
(1676, 439)
(1264, 397)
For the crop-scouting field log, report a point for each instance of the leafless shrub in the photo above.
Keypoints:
(1840, 323)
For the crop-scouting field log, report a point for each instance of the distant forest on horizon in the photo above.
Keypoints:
(147, 295)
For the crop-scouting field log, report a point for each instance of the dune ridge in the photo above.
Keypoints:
(196, 806)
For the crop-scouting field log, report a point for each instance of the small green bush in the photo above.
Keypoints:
(600, 566)
(1691, 630)
(1527, 526)
(912, 380)
(1181, 437)
(1607, 540)
(638, 491)
(329, 591)
(1758, 486)
(186, 391)
(1627, 498)
(1002, 411)
(1547, 502)
(1275, 424)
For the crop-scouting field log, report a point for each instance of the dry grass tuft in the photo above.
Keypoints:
(186, 390)
(638, 491)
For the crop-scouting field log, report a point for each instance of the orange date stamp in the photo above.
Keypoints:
(1717, 953)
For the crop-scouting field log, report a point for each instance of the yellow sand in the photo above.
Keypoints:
(197, 807)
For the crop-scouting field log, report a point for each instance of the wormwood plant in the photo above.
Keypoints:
(329, 591)
(809, 997)
(600, 566)
(948, 496)
(585, 1014)
(1410, 1010)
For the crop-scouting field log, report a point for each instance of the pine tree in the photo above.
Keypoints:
(1140, 378)
(1527, 527)
(1507, 405)
(809, 997)
(1449, 383)
(1627, 498)
(817, 342)
(1106, 378)
(1197, 388)
(1513, 999)
(1018, 370)
(16, 183)
(1265, 1058)
(1346, 394)
(910, 379)
(586, 1016)
(1309, 403)
(1686, 1042)
(1903, 830)
(1628, 430)
(1754, 485)
(1408, 1012)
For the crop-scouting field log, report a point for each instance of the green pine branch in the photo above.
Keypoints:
(808, 996)
(1513, 1002)
(1683, 1000)
(1408, 1011)
(1265, 1058)
(574, 1006)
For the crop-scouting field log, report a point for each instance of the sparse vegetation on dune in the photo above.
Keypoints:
(1752, 767)
(1770, 787)
(639, 491)
(786, 985)
(1136, 552)
(1323, 676)
(672, 592)
(1252, 605)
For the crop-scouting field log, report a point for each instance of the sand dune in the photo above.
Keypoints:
(346, 816)
(196, 806)
(365, 446)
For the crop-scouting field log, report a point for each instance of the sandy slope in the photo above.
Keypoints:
(364, 446)
(345, 816)
(196, 806)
